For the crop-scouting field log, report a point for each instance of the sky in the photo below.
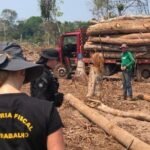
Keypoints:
(73, 10)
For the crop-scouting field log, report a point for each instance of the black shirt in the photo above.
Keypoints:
(45, 86)
(25, 122)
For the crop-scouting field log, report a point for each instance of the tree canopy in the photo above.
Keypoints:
(110, 8)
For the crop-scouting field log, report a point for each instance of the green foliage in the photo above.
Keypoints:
(109, 8)
(120, 8)
(45, 7)
(49, 9)
(68, 26)
(35, 30)
(9, 15)
(31, 28)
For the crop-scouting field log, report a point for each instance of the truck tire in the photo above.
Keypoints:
(143, 72)
(60, 71)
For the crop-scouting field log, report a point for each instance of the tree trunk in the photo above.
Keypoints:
(132, 36)
(128, 18)
(113, 48)
(118, 133)
(93, 82)
(80, 73)
(95, 75)
(120, 26)
(119, 41)
(135, 115)
(143, 96)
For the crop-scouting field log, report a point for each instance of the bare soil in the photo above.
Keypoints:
(82, 134)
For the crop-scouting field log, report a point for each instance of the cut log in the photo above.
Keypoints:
(80, 73)
(119, 41)
(113, 48)
(93, 82)
(143, 96)
(95, 75)
(133, 17)
(120, 26)
(132, 36)
(135, 115)
(124, 137)
(117, 54)
(93, 22)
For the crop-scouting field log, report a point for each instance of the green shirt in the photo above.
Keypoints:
(127, 60)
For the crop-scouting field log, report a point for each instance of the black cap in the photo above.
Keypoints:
(50, 53)
(11, 59)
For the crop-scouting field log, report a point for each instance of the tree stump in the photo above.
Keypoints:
(95, 75)
(80, 73)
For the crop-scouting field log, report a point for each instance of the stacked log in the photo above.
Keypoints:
(107, 36)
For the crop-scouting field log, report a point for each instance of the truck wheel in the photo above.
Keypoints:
(143, 72)
(60, 71)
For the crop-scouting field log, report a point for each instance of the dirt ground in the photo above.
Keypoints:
(81, 134)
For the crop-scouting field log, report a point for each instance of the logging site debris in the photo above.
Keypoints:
(94, 114)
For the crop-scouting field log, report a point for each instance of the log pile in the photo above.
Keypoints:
(108, 35)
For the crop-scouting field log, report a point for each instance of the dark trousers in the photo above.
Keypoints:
(127, 86)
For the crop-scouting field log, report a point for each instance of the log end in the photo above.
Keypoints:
(140, 96)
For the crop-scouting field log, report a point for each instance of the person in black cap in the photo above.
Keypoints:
(26, 123)
(46, 86)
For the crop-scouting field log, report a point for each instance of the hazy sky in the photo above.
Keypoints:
(74, 10)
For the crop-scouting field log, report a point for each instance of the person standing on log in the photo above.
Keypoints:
(46, 86)
(26, 123)
(127, 66)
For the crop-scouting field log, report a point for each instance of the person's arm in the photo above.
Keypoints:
(55, 141)
(54, 131)
(131, 58)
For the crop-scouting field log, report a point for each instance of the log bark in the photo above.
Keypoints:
(92, 22)
(80, 73)
(118, 133)
(113, 48)
(133, 17)
(131, 36)
(115, 54)
(120, 26)
(93, 82)
(119, 41)
(95, 75)
(143, 96)
(135, 115)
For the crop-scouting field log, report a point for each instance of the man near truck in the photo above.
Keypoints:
(127, 66)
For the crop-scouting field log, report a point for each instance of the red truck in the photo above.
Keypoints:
(70, 44)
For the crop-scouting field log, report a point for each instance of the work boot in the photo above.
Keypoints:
(131, 98)
(125, 97)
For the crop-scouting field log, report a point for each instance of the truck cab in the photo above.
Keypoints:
(69, 46)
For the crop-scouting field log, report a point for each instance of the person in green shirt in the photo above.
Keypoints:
(127, 66)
